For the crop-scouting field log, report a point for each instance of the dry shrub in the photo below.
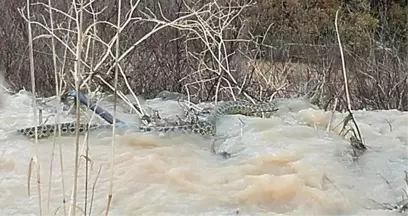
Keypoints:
(290, 49)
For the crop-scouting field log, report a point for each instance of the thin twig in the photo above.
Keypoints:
(32, 74)
(343, 62)
(115, 86)
(78, 68)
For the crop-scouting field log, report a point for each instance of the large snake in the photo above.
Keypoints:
(203, 127)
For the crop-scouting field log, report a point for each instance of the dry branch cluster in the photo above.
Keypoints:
(215, 50)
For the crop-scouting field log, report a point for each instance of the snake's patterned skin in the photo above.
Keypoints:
(207, 127)
(241, 107)
(67, 129)
(200, 127)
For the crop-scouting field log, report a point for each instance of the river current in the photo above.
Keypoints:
(287, 164)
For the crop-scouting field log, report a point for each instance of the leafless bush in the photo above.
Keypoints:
(274, 55)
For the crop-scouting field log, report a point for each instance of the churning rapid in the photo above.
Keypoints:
(287, 164)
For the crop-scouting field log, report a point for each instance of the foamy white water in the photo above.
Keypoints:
(284, 165)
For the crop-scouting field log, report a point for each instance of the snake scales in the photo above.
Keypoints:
(202, 127)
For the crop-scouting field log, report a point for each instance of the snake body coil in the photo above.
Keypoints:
(207, 127)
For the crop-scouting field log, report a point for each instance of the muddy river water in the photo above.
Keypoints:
(284, 165)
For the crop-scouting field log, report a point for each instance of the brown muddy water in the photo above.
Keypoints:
(284, 165)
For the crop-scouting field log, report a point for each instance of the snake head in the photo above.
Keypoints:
(70, 95)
